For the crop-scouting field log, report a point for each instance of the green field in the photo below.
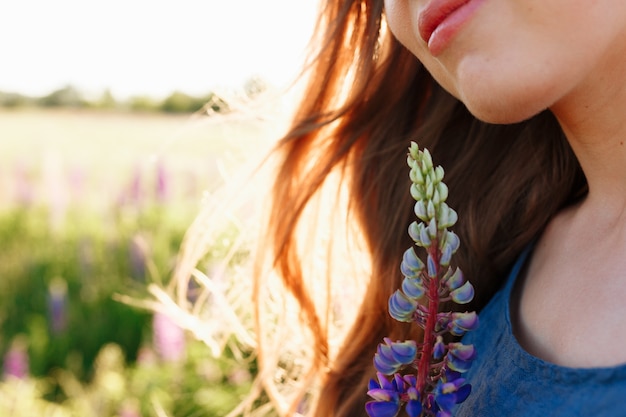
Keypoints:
(95, 151)
(94, 204)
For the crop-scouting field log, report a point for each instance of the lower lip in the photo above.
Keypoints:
(446, 30)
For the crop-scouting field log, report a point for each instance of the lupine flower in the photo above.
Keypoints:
(162, 182)
(138, 254)
(425, 379)
(57, 305)
(169, 338)
(16, 360)
(133, 192)
(24, 193)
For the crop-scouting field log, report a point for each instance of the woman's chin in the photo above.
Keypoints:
(503, 112)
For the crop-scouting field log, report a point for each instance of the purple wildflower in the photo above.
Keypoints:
(169, 338)
(437, 386)
(162, 182)
(57, 305)
(24, 193)
(133, 192)
(138, 253)
(16, 362)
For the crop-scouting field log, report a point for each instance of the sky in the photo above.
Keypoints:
(150, 47)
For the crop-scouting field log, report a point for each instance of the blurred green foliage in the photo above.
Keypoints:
(86, 354)
(102, 358)
(176, 102)
(93, 263)
(94, 219)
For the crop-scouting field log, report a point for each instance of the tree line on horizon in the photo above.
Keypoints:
(177, 102)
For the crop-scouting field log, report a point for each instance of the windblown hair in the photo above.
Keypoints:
(367, 98)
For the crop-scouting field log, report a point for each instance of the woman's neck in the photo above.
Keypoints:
(593, 118)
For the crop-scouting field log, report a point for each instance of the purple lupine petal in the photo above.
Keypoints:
(457, 364)
(411, 380)
(383, 395)
(466, 321)
(384, 366)
(373, 384)
(446, 256)
(384, 362)
(392, 356)
(413, 393)
(452, 239)
(384, 382)
(440, 348)
(450, 375)
(385, 353)
(413, 288)
(407, 271)
(432, 267)
(446, 401)
(463, 393)
(424, 239)
(399, 383)
(401, 307)
(404, 352)
(432, 225)
(413, 408)
(455, 280)
(463, 294)
(382, 409)
(461, 351)
(411, 262)
(451, 387)
(443, 321)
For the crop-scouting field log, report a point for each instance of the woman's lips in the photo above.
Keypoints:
(441, 19)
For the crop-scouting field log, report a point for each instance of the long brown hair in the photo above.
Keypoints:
(367, 97)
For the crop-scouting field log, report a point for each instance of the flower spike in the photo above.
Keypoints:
(426, 376)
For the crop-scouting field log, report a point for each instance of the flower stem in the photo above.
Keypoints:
(432, 297)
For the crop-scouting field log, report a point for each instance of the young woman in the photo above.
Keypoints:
(523, 103)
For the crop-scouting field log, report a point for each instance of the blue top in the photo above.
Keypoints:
(508, 381)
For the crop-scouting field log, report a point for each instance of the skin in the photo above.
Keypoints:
(511, 60)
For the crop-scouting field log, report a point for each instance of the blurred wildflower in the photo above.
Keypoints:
(433, 384)
(24, 193)
(169, 338)
(16, 362)
(239, 377)
(146, 356)
(57, 305)
(133, 192)
(130, 408)
(55, 185)
(77, 182)
(138, 252)
(162, 182)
